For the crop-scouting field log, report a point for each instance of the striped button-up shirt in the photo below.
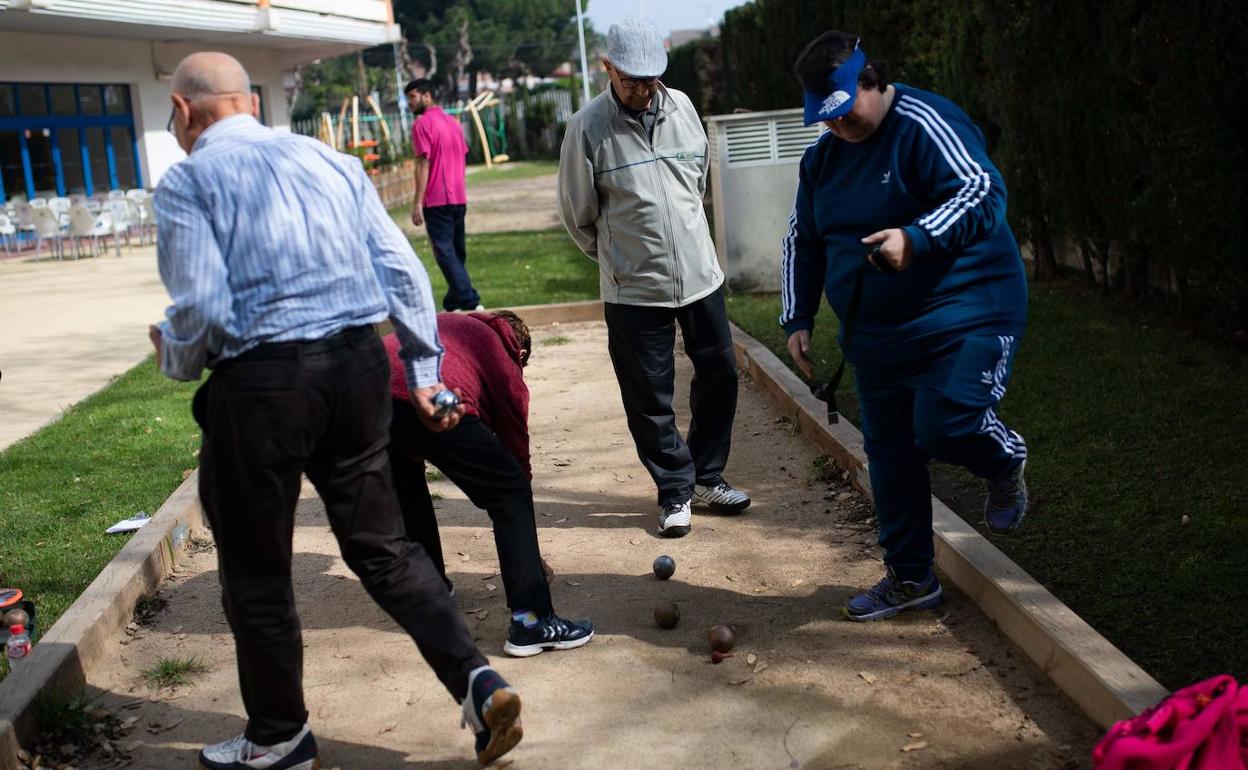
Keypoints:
(267, 236)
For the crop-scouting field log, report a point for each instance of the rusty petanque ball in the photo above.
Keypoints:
(664, 567)
(667, 615)
(721, 638)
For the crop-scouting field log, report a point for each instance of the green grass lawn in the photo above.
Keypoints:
(510, 171)
(1130, 426)
(510, 269)
(118, 452)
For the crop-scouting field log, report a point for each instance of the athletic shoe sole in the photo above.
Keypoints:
(1014, 529)
(721, 508)
(676, 530)
(503, 719)
(529, 650)
(922, 603)
(311, 764)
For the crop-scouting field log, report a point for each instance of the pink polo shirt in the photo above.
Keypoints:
(440, 137)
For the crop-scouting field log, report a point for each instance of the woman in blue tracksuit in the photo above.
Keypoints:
(935, 314)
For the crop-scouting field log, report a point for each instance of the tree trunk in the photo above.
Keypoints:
(362, 74)
(1042, 245)
(1085, 252)
(463, 57)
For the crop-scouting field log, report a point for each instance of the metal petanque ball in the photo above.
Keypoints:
(721, 638)
(664, 567)
(667, 615)
(443, 402)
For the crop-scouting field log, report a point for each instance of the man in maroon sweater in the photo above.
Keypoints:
(487, 456)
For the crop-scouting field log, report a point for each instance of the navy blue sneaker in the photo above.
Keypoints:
(549, 633)
(492, 709)
(891, 596)
(1007, 503)
(298, 753)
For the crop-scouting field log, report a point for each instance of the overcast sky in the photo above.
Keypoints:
(667, 14)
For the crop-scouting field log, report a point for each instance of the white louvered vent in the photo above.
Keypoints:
(792, 138)
(749, 143)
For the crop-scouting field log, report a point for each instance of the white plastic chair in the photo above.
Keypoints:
(84, 224)
(61, 207)
(39, 203)
(8, 233)
(47, 226)
(118, 218)
(25, 217)
(149, 215)
(115, 194)
(136, 194)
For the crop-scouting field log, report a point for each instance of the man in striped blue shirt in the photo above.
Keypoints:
(930, 321)
(279, 258)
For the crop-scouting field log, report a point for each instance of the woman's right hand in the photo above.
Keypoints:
(799, 347)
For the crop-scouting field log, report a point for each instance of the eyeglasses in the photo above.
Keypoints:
(169, 126)
(628, 82)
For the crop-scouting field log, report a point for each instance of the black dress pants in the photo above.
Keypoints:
(473, 458)
(323, 408)
(642, 341)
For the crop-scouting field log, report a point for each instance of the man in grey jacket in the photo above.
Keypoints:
(632, 173)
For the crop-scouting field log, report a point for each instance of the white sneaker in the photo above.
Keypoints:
(674, 519)
(238, 753)
(722, 498)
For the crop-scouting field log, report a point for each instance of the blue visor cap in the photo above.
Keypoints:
(841, 92)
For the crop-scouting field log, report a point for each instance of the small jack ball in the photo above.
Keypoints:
(667, 615)
(721, 638)
(664, 567)
(443, 402)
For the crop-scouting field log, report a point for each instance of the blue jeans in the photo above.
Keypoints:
(445, 226)
(943, 409)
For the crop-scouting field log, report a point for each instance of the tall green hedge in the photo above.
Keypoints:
(1114, 124)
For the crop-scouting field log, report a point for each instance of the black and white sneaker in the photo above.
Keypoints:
(722, 498)
(238, 753)
(675, 519)
(551, 633)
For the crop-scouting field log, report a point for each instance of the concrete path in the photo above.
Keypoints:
(68, 328)
(804, 689)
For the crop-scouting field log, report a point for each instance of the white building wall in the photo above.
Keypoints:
(143, 65)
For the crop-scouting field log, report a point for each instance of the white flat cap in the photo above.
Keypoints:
(635, 47)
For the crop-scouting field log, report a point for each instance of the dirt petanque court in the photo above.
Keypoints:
(803, 689)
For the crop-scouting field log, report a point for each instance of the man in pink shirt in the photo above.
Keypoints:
(441, 200)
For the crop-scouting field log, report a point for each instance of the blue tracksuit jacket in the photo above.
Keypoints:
(925, 169)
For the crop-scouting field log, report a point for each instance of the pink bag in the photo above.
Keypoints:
(1202, 727)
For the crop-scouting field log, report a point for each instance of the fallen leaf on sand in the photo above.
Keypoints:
(751, 659)
(560, 521)
(730, 578)
(797, 583)
(914, 746)
(758, 669)
(491, 587)
(914, 735)
(868, 677)
(483, 614)
(573, 582)
(742, 680)
(547, 514)
(389, 726)
(473, 612)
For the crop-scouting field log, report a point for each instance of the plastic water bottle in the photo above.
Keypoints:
(18, 646)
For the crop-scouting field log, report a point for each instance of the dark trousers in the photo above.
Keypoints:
(323, 408)
(943, 409)
(445, 226)
(473, 458)
(641, 341)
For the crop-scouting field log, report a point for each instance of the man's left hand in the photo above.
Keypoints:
(153, 334)
(894, 247)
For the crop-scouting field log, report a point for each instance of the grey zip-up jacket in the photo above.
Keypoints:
(633, 202)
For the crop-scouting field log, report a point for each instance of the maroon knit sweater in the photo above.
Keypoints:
(482, 360)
